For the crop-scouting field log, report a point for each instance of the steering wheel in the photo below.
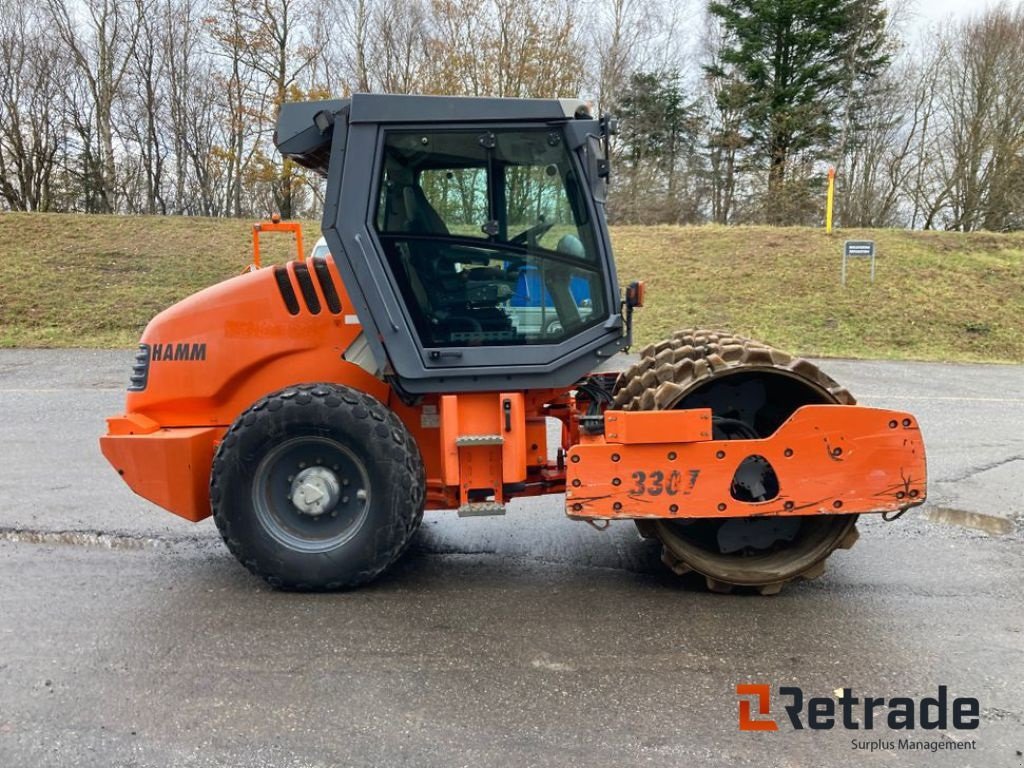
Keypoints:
(532, 235)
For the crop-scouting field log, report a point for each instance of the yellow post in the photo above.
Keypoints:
(828, 200)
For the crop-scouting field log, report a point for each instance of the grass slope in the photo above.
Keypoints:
(94, 281)
(936, 295)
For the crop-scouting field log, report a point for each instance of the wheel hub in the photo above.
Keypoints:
(315, 491)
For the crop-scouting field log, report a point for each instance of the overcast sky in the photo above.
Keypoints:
(937, 10)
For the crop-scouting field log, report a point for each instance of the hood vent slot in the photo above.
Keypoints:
(306, 286)
(323, 276)
(284, 284)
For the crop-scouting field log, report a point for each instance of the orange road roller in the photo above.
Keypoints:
(467, 316)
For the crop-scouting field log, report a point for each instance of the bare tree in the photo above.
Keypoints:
(101, 36)
(629, 36)
(268, 55)
(878, 163)
(968, 165)
(722, 107)
(398, 51)
(228, 26)
(522, 48)
(184, 73)
(279, 51)
(31, 121)
(146, 107)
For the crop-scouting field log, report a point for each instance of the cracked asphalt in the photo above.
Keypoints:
(131, 638)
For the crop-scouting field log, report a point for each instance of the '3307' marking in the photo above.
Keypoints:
(657, 482)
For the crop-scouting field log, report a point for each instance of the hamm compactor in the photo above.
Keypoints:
(316, 408)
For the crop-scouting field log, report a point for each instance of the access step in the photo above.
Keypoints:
(467, 441)
(481, 509)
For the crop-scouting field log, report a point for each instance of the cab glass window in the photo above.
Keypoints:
(488, 236)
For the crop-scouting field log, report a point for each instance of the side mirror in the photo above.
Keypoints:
(598, 169)
(609, 127)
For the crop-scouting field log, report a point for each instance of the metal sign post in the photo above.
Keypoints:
(829, 199)
(858, 249)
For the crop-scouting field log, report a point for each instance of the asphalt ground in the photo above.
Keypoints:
(131, 638)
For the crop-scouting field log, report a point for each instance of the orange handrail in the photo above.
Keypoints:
(275, 225)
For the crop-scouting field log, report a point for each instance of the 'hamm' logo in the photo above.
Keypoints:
(171, 351)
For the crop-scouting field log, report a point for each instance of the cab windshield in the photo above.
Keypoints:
(488, 237)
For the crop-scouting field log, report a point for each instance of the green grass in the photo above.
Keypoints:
(936, 295)
(94, 281)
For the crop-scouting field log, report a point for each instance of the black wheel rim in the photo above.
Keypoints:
(273, 487)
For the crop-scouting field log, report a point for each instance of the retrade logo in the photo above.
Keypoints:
(849, 712)
(761, 693)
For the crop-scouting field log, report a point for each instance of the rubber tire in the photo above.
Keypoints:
(354, 419)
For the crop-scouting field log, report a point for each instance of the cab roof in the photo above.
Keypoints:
(305, 129)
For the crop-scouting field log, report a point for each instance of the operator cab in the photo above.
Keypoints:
(470, 233)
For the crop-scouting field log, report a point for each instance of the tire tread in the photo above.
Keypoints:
(392, 540)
